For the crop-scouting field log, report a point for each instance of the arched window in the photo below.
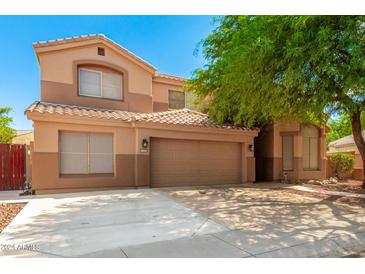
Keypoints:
(310, 147)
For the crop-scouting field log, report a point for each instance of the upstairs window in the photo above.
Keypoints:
(100, 84)
(310, 147)
(177, 99)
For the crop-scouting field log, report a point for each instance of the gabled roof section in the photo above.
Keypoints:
(344, 141)
(181, 117)
(51, 45)
(168, 79)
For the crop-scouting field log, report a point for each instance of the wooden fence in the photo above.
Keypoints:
(12, 166)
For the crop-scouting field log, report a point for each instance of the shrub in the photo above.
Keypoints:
(342, 163)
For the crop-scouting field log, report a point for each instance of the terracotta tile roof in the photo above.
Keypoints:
(185, 117)
(182, 117)
(81, 38)
(168, 76)
(73, 110)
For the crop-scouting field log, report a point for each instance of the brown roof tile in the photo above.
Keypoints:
(168, 76)
(182, 117)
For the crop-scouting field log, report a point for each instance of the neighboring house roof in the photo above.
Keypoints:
(22, 132)
(182, 117)
(23, 137)
(344, 144)
(344, 141)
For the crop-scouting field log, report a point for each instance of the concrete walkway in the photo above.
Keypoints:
(226, 222)
(328, 192)
(92, 224)
(12, 196)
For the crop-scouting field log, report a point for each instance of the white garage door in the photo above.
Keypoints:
(185, 162)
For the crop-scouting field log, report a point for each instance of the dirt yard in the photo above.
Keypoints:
(8, 212)
(344, 200)
(353, 186)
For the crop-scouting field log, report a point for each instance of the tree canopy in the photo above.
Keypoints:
(269, 68)
(341, 127)
(264, 69)
(6, 132)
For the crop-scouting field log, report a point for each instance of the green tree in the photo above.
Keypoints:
(263, 69)
(6, 132)
(341, 127)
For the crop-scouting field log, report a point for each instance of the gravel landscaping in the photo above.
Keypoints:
(338, 199)
(353, 186)
(8, 212)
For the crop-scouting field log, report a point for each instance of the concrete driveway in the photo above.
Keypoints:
(207, 222)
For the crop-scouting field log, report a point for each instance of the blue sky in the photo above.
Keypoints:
(167, 42)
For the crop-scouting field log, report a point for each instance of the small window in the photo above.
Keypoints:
(310, 147)
(100, 84)
(101, 51)
(288, 152)
(86, 153)
(176, 99)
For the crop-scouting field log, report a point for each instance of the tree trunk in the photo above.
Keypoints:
(359, 140)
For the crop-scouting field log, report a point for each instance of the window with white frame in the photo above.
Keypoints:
(86, 153)
(100, 84)
(288, 152)
(310, 147)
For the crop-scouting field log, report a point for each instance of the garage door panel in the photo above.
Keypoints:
(186, 162)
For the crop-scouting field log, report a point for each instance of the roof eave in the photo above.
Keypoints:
(69, 43)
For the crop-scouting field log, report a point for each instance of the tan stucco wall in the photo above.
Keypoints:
(142, 90)
(57, 66)
(131, 163)
(160, 93)
(270, 158)
(46, 136)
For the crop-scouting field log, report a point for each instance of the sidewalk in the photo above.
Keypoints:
(12, 196)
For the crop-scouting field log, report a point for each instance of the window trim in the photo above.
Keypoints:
(282, 152)
(101, 85)
(318, 151)
(88, 174)
(168, 99)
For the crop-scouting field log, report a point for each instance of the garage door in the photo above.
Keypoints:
(185, 162)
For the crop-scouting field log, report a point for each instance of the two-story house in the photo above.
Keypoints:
(107, 119)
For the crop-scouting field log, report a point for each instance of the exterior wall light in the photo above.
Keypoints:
(145, 143)
(250, 147)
